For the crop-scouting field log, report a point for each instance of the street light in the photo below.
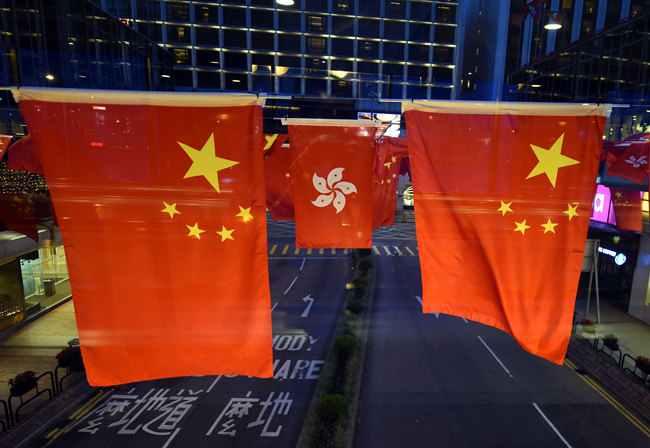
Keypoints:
(552, 25)
(284, 2)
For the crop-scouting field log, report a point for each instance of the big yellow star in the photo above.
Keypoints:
(387, 164)
(205, 162)
(505, 208)
(618, 195)
(245, 213)
(269, 141)
(225, 234)
(171, 209)
(571, 211)
(549, 226)
(549, 161)
(195, 231)
(521, 227)
(393, 159)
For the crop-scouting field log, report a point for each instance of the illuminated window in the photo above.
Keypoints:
(178, 11)
(316, 23)
(206, 14)
(182, 56)
(316, 44)
(445, 13)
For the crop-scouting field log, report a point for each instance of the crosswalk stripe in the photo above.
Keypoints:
(308, 251)
(409, 251)
(321, 251)
(376, 250)
(399, 252)
(333, 251)
(285, 249)
(345, 251)
(387, 250)
(275, 246)
(296, 252)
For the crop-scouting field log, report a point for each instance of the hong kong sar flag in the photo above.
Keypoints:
(160, 199)
(331, 168)
(503, 196)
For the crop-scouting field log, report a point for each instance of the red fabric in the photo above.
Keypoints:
(631, 163)
(21, 156)
(279, 190)
(388, 157)
(167, 256)
(5, 140)
(332, 185)
(273, 141)
(17, 215)
(627, 209)
(472, 194)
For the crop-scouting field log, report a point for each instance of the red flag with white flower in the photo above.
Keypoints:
(332, 165)
(631, 162)
(503, 195)
(627, 209)
(167, 257)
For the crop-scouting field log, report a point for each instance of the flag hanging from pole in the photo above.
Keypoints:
(389, 152)
(160, 200)
(279, 188)
(331, 168)
(503, 195)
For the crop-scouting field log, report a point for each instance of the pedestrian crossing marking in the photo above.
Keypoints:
(292, 250)
(308, 251)
(387, 250)
(333, 251)
(321, 251)
(285, 249)
(275, 246)
(296, 252)
(409, 251)
(399, 252)
(376, 250)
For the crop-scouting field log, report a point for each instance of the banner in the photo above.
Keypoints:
(503, 194)
(160, 200)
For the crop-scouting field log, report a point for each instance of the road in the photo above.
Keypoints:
(307, 292)
(440, 380)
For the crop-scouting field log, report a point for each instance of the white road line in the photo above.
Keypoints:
(376, 250)
(294, 281)
(171, 438)
(303, 263)
(466, 321)
(419, 299)
(551, 425)
(213, 384)
(495, 357)
(273, 307)
(387, 250)
(409, 251)
(399, 252)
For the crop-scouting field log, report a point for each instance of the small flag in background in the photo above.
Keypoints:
(631, 162)
(627, 209)
(503, 195)
(5, 141)
(279, 188)
(16, 214)
(389, 153)
(21, 156)
(332, 168)
(167, 256)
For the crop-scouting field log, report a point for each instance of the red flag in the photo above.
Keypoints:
(167, 259)
(21, 156)
(273, 141)
(627, 209)
(16, 213)
(631, 163)
(503, 196)
(332, 183)
(555, 16)
(389, 152)
(5, 140)
(279, 190)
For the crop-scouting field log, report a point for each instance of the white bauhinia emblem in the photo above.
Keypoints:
(637, 162)
(334, 191)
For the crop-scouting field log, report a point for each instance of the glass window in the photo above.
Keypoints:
(394, 30)
(395, 70)
(368, 28)
(262, 59)
(443, 54)
(396, 9)
(417, 73)
(289, 61)
(263, 82)
(343, 6)
(262, 41)
(209, 80)
(369, 49)
(261, 18)
(260, 2)
(182, 56)
(178, 11)
(316, 44)
(316, 63)
(445, 13)
(234, 38)
(342, 47)
(148, 9)
(183, 78)
(206, 14)
(316, 23)
(343, 25)
(367, 67)
(442, 74)
(206, 36)
(236, 82)
(341, 64)
(180, 34)
(420, 10)
(316, 86)
(289, 84)
(444, 34)
(207, 58)
(289, 42)
(235, 61)
(341, 88)
(613, 12)
(316, 5)
(419, 91)
(288, 21)
(393, 51)
(419, 52)
(589, 13)
(234, 16)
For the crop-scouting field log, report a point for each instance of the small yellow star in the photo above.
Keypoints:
(195, 231)
(618, 195)
(387, 164)
(571, 211)
(393, 159)
(205, 162)
(388, 181)
(549, 161)
(521, 227)
(505, 208)
(225, 234)
(549, 226)
(394, 176)
(287, 175)
(171, 209)
(245, 213)
(18, 199)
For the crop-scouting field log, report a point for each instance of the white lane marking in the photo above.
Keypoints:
(387, 250)
(419, 299)
(495, 356)
(306, 299)
(171, 438)
(213, 384)
(303, 263)
(551, 425)
(294, 281)
(273, 307)
(466, 321)
(376, 250)
(409, 251)
(399, 252)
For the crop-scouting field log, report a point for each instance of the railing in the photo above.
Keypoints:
(6, 425)
(13, 415)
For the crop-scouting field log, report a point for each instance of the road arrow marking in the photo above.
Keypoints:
(310, 301)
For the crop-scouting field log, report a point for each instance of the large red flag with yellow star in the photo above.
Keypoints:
(503, 195)
(160, 199)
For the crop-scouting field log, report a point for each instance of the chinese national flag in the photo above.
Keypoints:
(627, 209)
(503, 196)
(16, 214)
(632, 162)
(388, 158)
(279, 191)
(22, 157)
(160, 200)
(5, 140)
(332, 184)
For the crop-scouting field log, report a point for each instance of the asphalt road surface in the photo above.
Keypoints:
(442, 381)
(307, 293)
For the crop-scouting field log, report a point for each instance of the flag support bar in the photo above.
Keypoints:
(327, 122)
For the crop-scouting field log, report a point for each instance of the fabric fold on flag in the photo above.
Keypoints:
(16, 213)
(331, 168)
(167, 254)
(503, 195)
(5, 141)
(22, 157)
